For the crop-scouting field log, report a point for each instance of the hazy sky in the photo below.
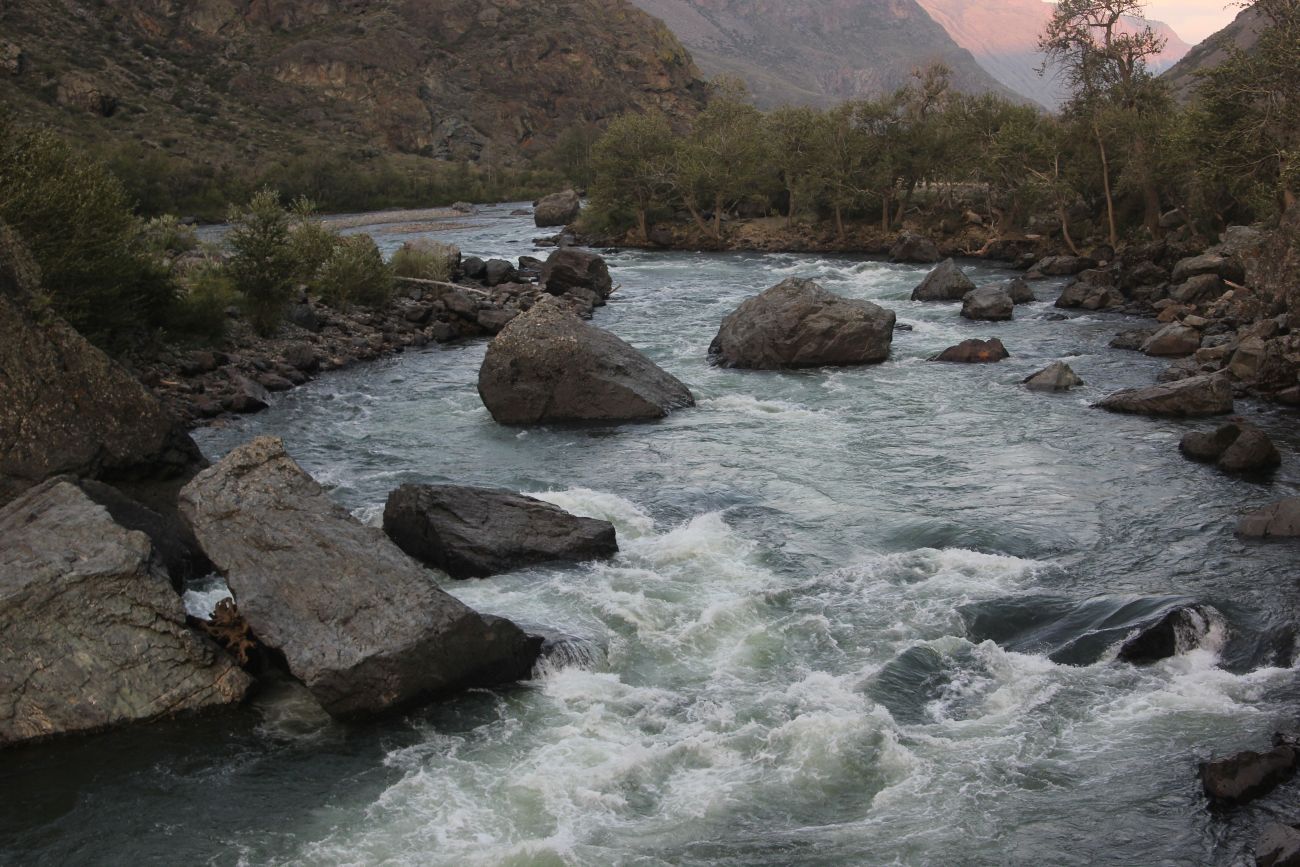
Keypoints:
(1193, 19)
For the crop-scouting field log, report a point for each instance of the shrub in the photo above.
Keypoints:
(201, 309)
(167, 236)
(355, 273)
(77, 223)
(426, 260)
(263, 264)
(312, 241)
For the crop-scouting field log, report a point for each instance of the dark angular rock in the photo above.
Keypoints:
(1132, 339)
(66, 408)
(557, 209)
(945, 283)
(1020, 291)
(1175, 340)
(360, 623)
(1209, 446)
(1278, 846)
(1057, 376)
(92, 634)
(473, 268)
(1246, 776)
(1199, 290)
(569, 269)
(988, 304)
(797, 323)
(1063, 266)
(498, 271)
(1181, 630)
(1251, 452)
(911, 247)
(1197, 396)
(477, 532)
(550, 366)
(974, 352)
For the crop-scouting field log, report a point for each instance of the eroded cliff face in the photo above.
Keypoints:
(455, 79)
(817, 53)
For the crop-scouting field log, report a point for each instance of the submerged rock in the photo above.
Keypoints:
(360, 623)
(1181, 630)
(1280, 520)
(1057, 376)
(92, 634)
(548, 365)
(945, 283)
(557, 209)
(1246, 776)
(989, 304)
(974, 352)
(1196, 396)
(797, 323)
(1278, 846)
(477, 532)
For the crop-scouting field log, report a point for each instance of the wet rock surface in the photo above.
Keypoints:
(476, 532)
(359, 622)
(92, 634)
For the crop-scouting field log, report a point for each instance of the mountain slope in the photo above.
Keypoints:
(816, 53)
(232, 80)
(1003, 37)
(1243, 33)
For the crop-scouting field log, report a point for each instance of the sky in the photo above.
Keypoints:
(1196, 19)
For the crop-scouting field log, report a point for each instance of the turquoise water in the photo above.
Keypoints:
(835, 633)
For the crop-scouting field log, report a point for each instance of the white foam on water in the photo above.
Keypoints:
(371, 515)
(768, 410)
(202, 599)
(629, 520)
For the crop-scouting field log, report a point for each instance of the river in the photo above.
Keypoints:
(860, 616)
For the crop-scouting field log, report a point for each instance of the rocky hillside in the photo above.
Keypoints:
(223, 80)
(1243, 32)
(816, 53)
(1003, 37)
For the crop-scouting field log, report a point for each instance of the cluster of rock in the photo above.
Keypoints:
(484, 297)
(1236, 447)
(1234, 781)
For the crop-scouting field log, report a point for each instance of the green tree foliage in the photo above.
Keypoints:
(263, 263)
(1250, 114)
(356, 273)
(94, 255)
(632, 168)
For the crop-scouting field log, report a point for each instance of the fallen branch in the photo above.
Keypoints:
(472, 290)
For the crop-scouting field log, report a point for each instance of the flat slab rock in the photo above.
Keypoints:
(91, 633)
(1195, 396)
(549, 366)
(1280, 520)
(360, 623)
(797, 323)
(477, 532)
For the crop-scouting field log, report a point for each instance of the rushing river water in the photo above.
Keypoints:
(861, 616)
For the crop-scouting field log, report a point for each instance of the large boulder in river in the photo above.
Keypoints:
(797, 323)
(1057, 376)
(1020, 291)
(947, 282)
(1246, 776)
(557, 209)
(1195, 396)
(1280, 520)
(569, 269)
(549, 366)
(988, 304)
(974, 352)
(360, 623)
(1179, 631)
(1237, 448)
(91, 632)
(66, 408)
(477, 532)
(911, 247)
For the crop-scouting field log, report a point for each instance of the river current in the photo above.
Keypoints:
(860, 616)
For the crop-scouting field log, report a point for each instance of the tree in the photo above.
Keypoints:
(724, 160)
(1251, 108)
(792, 134)
(631, 167)
(263, 263)
(1105, 66)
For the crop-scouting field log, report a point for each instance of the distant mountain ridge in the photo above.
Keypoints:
(1242, 33)
(226, 81)
(817, 53)
(1003, 37)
